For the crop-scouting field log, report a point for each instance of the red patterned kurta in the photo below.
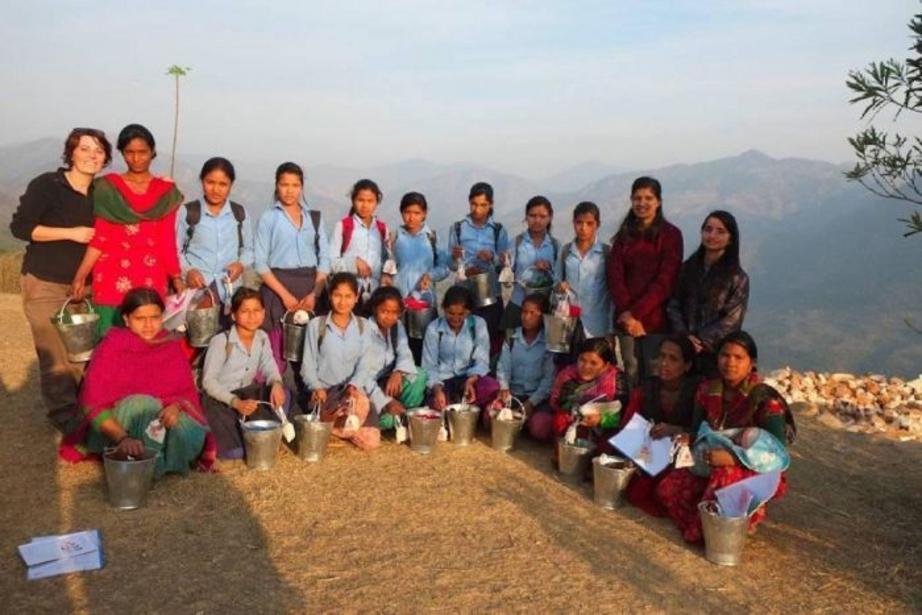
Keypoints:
(135, 255)
(681, 491)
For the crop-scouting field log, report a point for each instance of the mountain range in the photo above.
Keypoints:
(832, 278)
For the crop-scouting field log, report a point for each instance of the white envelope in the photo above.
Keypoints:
(50, 548)
(634, 437)
(735, 499)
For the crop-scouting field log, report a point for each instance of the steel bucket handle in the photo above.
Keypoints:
(60, 315)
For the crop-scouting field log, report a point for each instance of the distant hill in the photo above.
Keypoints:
(832, 278)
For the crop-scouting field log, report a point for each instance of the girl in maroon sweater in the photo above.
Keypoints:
(645, 258)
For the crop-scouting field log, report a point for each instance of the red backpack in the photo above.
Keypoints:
(349, 228)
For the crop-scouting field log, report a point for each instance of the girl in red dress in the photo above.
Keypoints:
(135, 241)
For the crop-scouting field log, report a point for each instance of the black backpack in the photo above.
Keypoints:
(194, 216)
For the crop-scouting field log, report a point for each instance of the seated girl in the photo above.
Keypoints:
(526, 369)
(456, 355)
(338, 365)
(666, 400)
(736, 399)
(594, 377)
(139, 394)
(398, 384)
(239, 373)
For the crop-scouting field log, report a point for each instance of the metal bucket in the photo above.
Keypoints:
(424, 432)
(557, 332)
(293, 338)
(462, 422)
(129, 480)
(79, 332)
(610, 480)
(573, 460)
(724, 537)
(482, 286)
(313, 437)
(528, 285)
(261, 440)
(503, 433)
(417, 321)
(203, 323)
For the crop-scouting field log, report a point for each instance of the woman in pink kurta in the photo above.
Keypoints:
(134, 245)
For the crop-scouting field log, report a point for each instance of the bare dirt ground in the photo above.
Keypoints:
(465, 530)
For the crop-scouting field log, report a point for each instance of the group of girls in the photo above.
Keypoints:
(683, 356)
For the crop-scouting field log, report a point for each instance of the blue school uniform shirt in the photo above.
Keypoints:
(281, 245)
(526, 255)
(214, 245)
(587, 279)
(476, 238)
(447, 355)
(366, 243)
(389, 359)
(528, 369)
(413, 255)
(225, 372)
(348, 356)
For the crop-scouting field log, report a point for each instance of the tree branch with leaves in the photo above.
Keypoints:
(890, 165)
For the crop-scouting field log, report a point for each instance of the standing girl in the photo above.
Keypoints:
(420, 262)
(214, 235)
(534, 249)
(478, 244)
(712, 292)
(581, 271)
(642, 271)
(291, 254)
(456, 354)
(398, 384)
(135, 241)
(55, 215)
(526, 369)
(239, 373)
(359, 241)
(338, 365)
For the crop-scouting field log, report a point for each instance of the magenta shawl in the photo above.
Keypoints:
(123, 364)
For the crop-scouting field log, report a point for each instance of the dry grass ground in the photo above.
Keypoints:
(462, 530)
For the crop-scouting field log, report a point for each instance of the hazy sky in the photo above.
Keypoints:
(525, 87)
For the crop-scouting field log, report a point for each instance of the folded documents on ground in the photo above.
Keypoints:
(47, 556)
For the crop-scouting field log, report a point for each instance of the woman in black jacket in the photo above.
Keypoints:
(55, 215)
(712, 292)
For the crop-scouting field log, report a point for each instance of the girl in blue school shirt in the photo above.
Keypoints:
(420, 262)
(339, 365)
(359, 243)
(535, 250)
(526, 370)
(456, 355)
(214, 235)
(291, 254)
(398, 384)
(581, 270)
(239, 372)
(479, 243)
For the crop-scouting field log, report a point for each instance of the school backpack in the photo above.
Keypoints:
(497, 229)
(349, 228)
(194, 216)
(472, 329)
(323, 329)
(555, 245)
(606, 250)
